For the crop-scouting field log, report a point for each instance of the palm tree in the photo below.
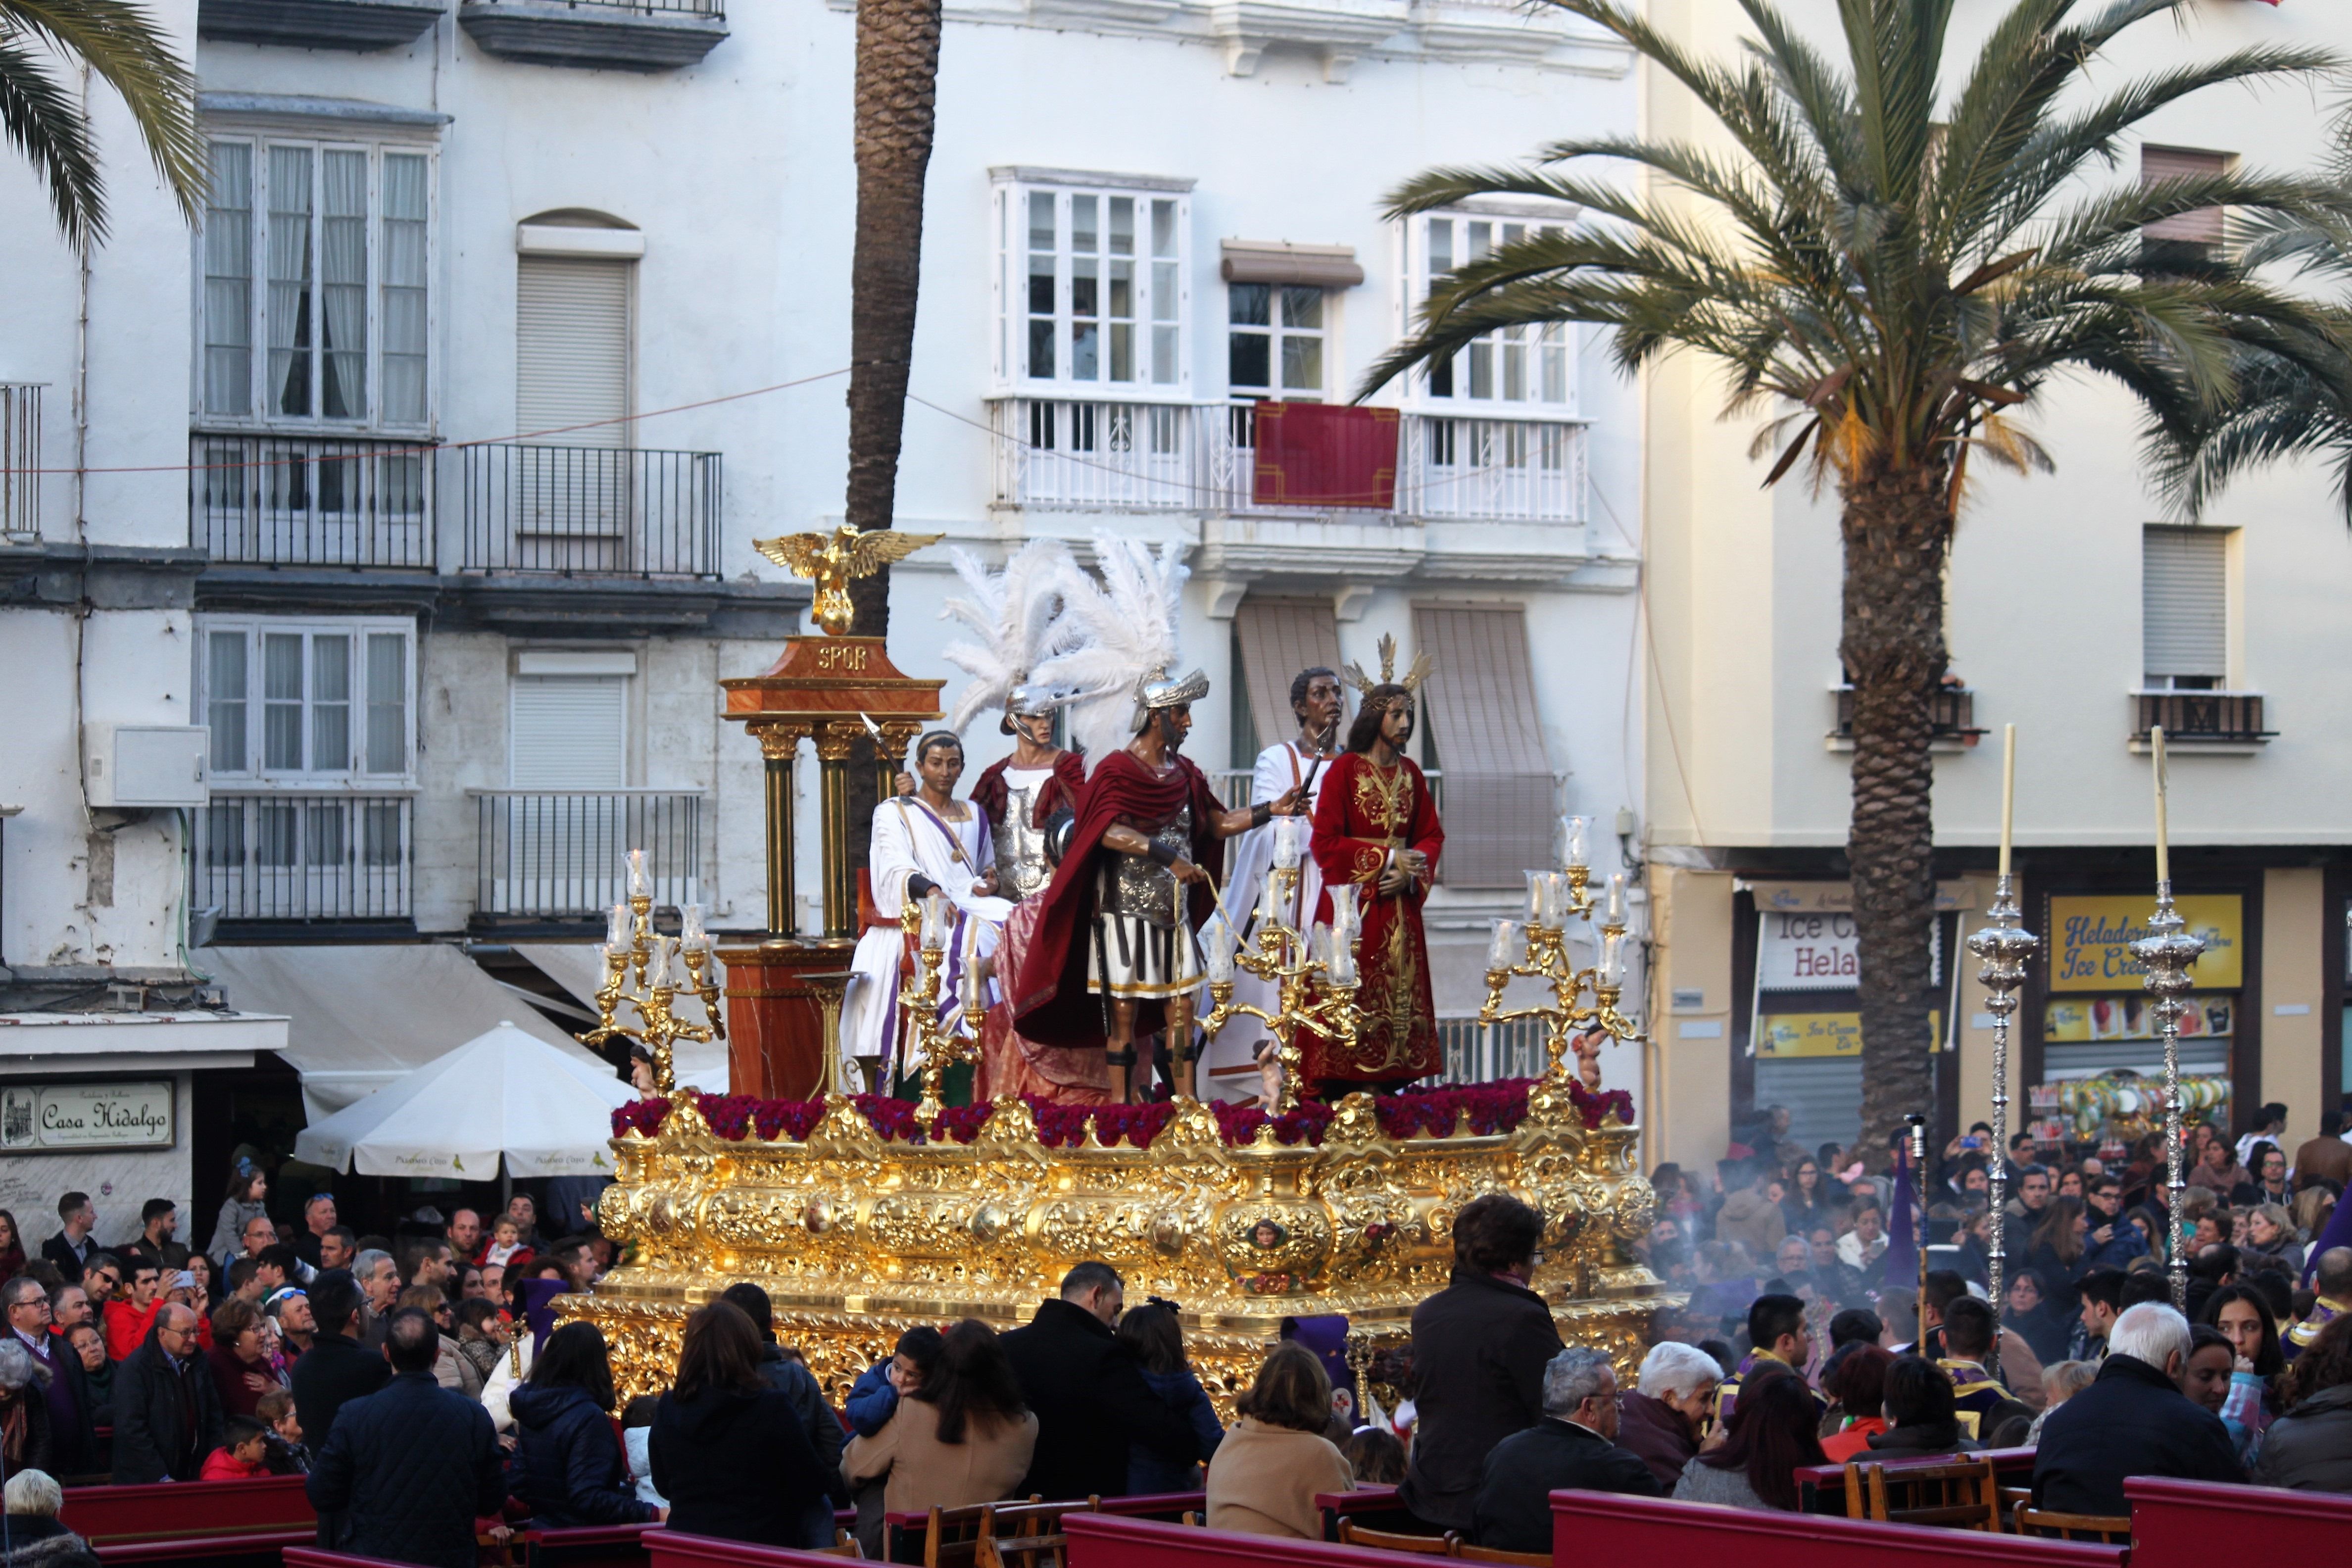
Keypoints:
(1892, 275)
(122, 44)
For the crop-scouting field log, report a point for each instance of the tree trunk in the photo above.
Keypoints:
(897, 82)
(1898, 527)
(897, 100)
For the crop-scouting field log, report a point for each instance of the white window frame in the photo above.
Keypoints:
(1276, 331)
(1009, 286)
(259, 413)
(257, 776)
(1531, 347)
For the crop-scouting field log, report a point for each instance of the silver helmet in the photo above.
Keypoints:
(1027, 702)
(1160, 689)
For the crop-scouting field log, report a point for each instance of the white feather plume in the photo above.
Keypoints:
(1124, 629)
(1017, 615)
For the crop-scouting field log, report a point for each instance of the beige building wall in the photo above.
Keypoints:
(2294, 989)
(1690, 1008)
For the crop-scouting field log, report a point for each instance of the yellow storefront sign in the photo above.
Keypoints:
(1786, 1035)
(2090, 941)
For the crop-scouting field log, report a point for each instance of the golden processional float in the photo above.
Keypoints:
(863, 1216)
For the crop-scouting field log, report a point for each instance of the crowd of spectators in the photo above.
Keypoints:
(423, 1385)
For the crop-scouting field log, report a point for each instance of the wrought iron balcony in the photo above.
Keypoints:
(2189, 718)
(606, 511)
(305, 501)
(20, 460)
(1951, 714)
(272, 856)
(1519, 470)
(562, 854)
(597, 35)
(357, 25)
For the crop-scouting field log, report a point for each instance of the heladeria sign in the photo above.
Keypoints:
(73, 1118)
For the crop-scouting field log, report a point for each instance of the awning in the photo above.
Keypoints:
(1480, 706)
(579, 968)
(1279, 637)
(1278, 261)
(364, 1014)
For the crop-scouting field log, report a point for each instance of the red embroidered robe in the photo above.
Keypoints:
(1364, 816)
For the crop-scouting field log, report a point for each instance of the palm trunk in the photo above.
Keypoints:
(897, 92)
(1897, 525)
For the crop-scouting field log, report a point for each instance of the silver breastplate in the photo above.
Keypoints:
(1021, 868)
(1141, 887)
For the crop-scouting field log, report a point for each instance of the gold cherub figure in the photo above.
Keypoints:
(832, 561)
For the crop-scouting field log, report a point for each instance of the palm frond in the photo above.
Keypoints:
(125, 48)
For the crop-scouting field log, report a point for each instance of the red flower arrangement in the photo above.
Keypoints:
(1475, 1110)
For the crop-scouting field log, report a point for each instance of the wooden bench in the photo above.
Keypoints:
(1372, 1507)
(1601, 1526)
(1107, 1541)
(2174, 1521)
(1821, 1489)
(903, 1533)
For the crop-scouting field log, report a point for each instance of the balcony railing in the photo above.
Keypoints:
(1476, 1053)
(20, 460)
(301, 500)
(1078, 455)
(303, 857)
(1951, 713)
(592, 510)
(2194, 716)
(562, 854)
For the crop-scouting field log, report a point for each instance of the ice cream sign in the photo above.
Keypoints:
(1815, 950)
(2091, 941)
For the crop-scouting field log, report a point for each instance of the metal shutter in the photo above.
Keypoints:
(571, 347)
(2185, 601)
(1480, 706)
(1279, 637)
(569, 732)
(2206, 226)
(1823, 1097)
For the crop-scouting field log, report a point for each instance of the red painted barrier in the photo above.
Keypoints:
(1600, 1527)
(666, 1548)
(311, 1557)
(255, 1549)
(586, 1546)
(1374, 1507)
(175, 1509)
(2176, 1524)
(1106, 1540)
(1821, 1489)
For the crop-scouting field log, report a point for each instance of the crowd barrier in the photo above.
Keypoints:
(1821, 1489)
(2184, 1524)
(218, 1524)
(1588, 1527)
(905, 1531)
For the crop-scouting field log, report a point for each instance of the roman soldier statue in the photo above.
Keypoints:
(1114, 958)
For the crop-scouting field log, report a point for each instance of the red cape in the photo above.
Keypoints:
(1050, 1001)
(989, 792)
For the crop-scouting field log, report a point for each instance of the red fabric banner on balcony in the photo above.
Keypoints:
(1323, 453)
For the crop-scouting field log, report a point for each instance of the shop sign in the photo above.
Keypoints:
(1797, 898)
(2090, 941)
(1786, 1035)
(73, 1118)
(1820, 951)
(2079, 1019)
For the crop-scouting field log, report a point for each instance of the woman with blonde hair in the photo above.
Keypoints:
(1265, 1475)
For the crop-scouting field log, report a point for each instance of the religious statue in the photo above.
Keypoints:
(1244, 1052)
(1016, 616)
(1115, 957)
(832, 561)
(1376, 825)
(923, 838)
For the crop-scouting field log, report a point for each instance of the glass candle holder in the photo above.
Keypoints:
(616, 926)
(1614, 913)
(691, 935)
(1346, 914)
(1286, 842)
(641, 885)
(1613, 959)
(1573, 830)
(1508, 946)
(1217, 950)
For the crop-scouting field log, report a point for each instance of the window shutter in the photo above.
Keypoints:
(1481, 710)
(2184, 601)
(1279, 637)
(569, 732)
(571, 347)
(2206, 226)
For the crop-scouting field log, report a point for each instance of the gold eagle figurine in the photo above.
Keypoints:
(832, 561)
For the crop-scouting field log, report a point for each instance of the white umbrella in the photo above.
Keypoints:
(503, 1093)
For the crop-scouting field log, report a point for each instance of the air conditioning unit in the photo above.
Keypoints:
(132, 766)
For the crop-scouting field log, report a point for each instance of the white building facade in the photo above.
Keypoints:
(508, 327)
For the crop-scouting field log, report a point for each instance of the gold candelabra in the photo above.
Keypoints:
(1314, 973)
(1536, 948)
(645, 971)
(932, 923)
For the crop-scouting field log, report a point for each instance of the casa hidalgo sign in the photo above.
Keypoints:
(74, 1117)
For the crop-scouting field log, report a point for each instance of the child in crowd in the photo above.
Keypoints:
(1376, 1456)
(239, 1457)
(506, 1244)
(636, 1434)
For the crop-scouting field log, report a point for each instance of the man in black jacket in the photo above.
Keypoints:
(2131, 1421)
(167, 1413)
(1574, 1446)
(409, 1469)
(786, 1375)
(70, 1249)
(334, 1370)
(1479, 1350)
(1088, 1392)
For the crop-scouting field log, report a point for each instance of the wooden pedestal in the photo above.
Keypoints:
(775, 1022)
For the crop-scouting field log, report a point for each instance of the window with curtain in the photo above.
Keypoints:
(301, 701)
(1091, 286)
(318, 254)
(1273, 340)
(1532, 368)
(2192, 239)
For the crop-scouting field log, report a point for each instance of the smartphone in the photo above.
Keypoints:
(1972, 1141)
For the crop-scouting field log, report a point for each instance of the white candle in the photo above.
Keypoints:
(1217, 950)
(1613, 959)
(1345, 915)
(2163, 833)
(1342, 965)
(969, 991)
(616, 926)
(1269, 906)
(1536, 881)
(1286, 842)
(690, 933)
(640, 885)
(1572, 832)
(1616, 913)
(2008, 790)
(1504, 949)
